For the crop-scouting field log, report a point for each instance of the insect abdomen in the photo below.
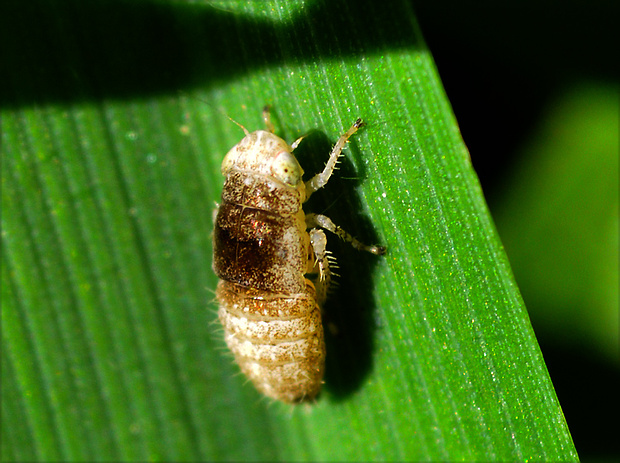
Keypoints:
(277, 340)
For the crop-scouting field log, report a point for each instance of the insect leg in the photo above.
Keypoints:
(320, 179)
(214, 213)
(319, 245)
(267, 119)
(322, 221)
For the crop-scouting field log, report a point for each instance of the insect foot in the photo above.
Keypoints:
(273, 264)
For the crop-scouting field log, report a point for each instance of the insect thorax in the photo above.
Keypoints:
(260, 239)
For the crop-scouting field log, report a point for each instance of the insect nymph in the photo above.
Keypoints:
(271, 259)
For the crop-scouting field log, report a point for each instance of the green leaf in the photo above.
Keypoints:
(114, 127)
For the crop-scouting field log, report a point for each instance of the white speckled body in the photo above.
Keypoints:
(272, 264)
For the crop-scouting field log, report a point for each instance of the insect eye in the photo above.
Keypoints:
(286, 168)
